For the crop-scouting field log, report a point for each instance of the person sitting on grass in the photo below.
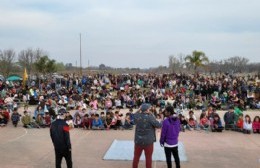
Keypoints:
(97, 123)
(256, 125)
(127, 125)
(217, 124)
(27, 121)
(239, 124)
(15, 117)
(247, 126)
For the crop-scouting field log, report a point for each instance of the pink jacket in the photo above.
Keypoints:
(256, 125)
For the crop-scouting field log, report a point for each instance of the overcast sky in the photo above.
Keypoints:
(132, 33)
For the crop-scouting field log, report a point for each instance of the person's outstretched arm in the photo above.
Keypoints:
(163, 133)
(66, 129)
(154, 122)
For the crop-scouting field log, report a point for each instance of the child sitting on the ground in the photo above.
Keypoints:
(158, 118)
(103, 117)
(69, 120)
(97, 123)
(127, 124)
(256, 125)
(15, 117)
(191, 124)
(40, 121)
(240, 122)
(217, 124)
(86, 122)
(204, 122)
(3, 121)
(108, 121)
(184, 123)
(47, 119)
(27, 121)
(116, 122)
(247, 126)
(77, 121)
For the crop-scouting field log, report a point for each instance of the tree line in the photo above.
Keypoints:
(199, 62)
(34, 60)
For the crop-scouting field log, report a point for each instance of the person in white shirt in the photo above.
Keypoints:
(247, 126)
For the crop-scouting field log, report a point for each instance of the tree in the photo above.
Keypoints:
(7, 58)
(60, 66)
(44, 65)
(102, 66)
(28, 57)
(236, 64)
(176, 64)
(197, 59)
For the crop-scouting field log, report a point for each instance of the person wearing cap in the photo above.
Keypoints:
(144, 135)
(59, 132)
(169, 136)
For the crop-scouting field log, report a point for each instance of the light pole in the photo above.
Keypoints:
(80, 60)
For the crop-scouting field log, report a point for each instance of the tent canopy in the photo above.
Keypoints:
(14, 78)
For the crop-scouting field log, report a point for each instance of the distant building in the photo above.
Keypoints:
(69, 66)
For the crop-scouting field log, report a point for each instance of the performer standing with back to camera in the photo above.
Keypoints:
(144, 135)
(169, 136)
(60, 136)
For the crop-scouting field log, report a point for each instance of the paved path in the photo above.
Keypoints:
(32, 148)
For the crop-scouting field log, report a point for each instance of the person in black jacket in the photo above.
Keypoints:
(59, 132)
(229, 119)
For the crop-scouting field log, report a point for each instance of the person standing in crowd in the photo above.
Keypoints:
(169, 136)
(144, 135)
(59, 132)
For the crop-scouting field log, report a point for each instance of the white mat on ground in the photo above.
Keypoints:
(124, 150)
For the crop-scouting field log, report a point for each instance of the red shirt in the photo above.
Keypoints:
(204, 121)
(240, 123)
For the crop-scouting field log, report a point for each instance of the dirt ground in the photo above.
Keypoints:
(32, 148)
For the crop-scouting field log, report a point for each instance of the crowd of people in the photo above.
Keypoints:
(98, 99)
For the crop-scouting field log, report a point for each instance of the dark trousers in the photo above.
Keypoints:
(66, 154)
(168, 153)
(148, 151)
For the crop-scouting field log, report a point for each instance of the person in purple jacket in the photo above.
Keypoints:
(169, 136)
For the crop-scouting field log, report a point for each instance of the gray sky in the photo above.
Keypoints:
(132, 33)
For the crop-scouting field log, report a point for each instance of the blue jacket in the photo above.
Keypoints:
(170, 131)
(97, 123)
